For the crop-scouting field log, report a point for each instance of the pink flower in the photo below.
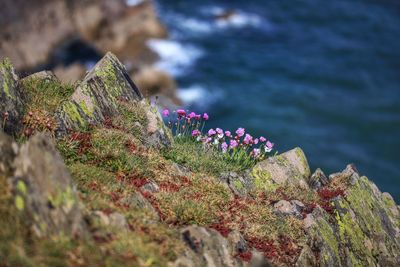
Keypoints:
(191, 115)
(211, 132)
(197, 117)
(220, 132)
(181, 112)
(233, 143)
(224, 147)
(240, 132)
(255, 141)
(195, 133)
(208, 140)
(205, 116)
(256, 152)
(228, 134)
(269, 146)
(262, 139)
(165, 112)
(248, 139)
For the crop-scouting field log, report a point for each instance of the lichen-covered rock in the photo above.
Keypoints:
(290, 167)
(43, 189)
(363, 230)
(11, 105)
(97, 95)
(240, 184)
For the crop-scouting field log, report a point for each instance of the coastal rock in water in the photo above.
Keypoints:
(97, 95)
(155, 82)
(11, 105)
(43, 189)
(290, 167)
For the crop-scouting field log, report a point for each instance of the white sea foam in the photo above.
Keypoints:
(175, 57)
(198, 95)
(239, 20)
(133, 2)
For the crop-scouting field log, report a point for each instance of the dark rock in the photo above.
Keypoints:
(11, 104)
(318, 179)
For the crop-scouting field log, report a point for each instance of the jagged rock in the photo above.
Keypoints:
(239, 184)
(11, 104)
(32, 30)
(43, 189)
(97, 95)
(306, 258)
(364, 229)
(213, 248)
(318, 179)
(150, 187)
(284, 207)
(156, 133)
(239, 243)
(137, 201)
(42, 75)
(290, 167)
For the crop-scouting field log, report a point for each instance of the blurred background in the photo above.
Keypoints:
(321, 75)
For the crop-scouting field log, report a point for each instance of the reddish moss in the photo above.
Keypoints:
(244, 256)
(131, 147)
(169, 186)
(84, 139)
(328, 194)
(221, 227)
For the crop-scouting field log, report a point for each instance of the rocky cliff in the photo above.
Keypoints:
(46, 33)
(90, 176)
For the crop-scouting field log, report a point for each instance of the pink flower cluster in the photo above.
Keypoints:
(184, 122)
(242, 140)
(236, 145)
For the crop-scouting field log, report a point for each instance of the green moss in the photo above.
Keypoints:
(85, 109)
(238, 185)
(325, 231)
(19, 203)
(63, 198)
(302, 157)
(6, 69)
(263, 180)
(45, 93)
(71, 110)
(21, 187)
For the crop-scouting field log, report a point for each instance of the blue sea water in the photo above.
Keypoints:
(321, 75)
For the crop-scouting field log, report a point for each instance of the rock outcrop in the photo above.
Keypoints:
(109, 26)
(41, 186)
